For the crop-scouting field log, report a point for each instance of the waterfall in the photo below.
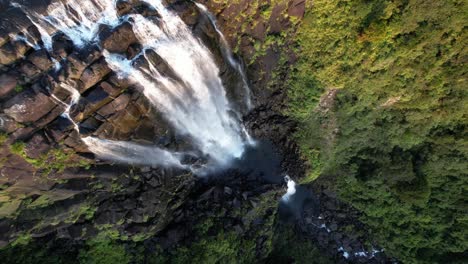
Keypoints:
(227, 53)
(192, 98)
(291, 189)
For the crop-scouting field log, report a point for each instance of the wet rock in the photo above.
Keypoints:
(145, 130)
(29, 106)
(93, 74)
(123, 7)
(95, 99)
(187, 11)
(7, 54)
(62, 46)
(133, 50)
(159, 63)
(40, 59)
(89, 126)
(8, 83)
(227, 190)
(119, 39)
(121, 125)
(110, 89)
(28, 69)
(115, 106)
(75, 66)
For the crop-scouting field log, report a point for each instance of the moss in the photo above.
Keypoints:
(54, 160)
(3, 138)
(22, 240)
(19, 88)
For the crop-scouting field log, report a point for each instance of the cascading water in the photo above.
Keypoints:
(192, 99)
(227, 53)
(291, 189)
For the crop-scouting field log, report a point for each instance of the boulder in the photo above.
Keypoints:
(28, 69)
(29, 106)
(7, 54)
(123, 7)
(119, 39)
(40, 59)
(62, 46)
(8, 83)
(7, 124)
(94, 74)
(297, 8)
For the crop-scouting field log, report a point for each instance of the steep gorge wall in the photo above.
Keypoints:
(53, 188)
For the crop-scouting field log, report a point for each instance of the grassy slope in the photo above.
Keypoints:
(400, 153)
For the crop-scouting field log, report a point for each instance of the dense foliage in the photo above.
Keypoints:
(394, 140)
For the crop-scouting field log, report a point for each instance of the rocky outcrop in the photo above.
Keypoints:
(78, 196)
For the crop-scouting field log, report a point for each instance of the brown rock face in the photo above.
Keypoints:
(119, 39)
(297, 8)
(94, 74)
(40, 59)
(114, 109)
(29, 106)
(7, 84)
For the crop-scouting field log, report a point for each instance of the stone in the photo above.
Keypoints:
(75, 66)
(297, 8)
(115, 106)
(94, 74)
(36, 146)
(28, 69)
(62, 46)
(95, 100)
(40, 59)
(7, 54)
(112, 90)
(89, 126)
(119, 39)
(133, 51)
(8, 83)
(29, 106)
(123, 7)
(7, 124)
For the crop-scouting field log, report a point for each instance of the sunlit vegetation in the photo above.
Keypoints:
(54, 160)
(394, 143)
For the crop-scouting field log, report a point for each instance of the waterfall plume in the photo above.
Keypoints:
(191, 98)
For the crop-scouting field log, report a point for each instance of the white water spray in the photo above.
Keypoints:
(192, 99)
(227, 53)
(291, 189)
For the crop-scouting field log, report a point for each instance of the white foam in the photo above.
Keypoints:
(291, 189)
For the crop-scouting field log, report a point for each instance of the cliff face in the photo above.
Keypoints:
(380, 97)
(53, 189)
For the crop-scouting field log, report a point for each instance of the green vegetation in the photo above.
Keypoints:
(104, 249)
(289, 247)
(3, 138)
(222, 248)
(54, 160)
(19, 88)
(394, 142)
